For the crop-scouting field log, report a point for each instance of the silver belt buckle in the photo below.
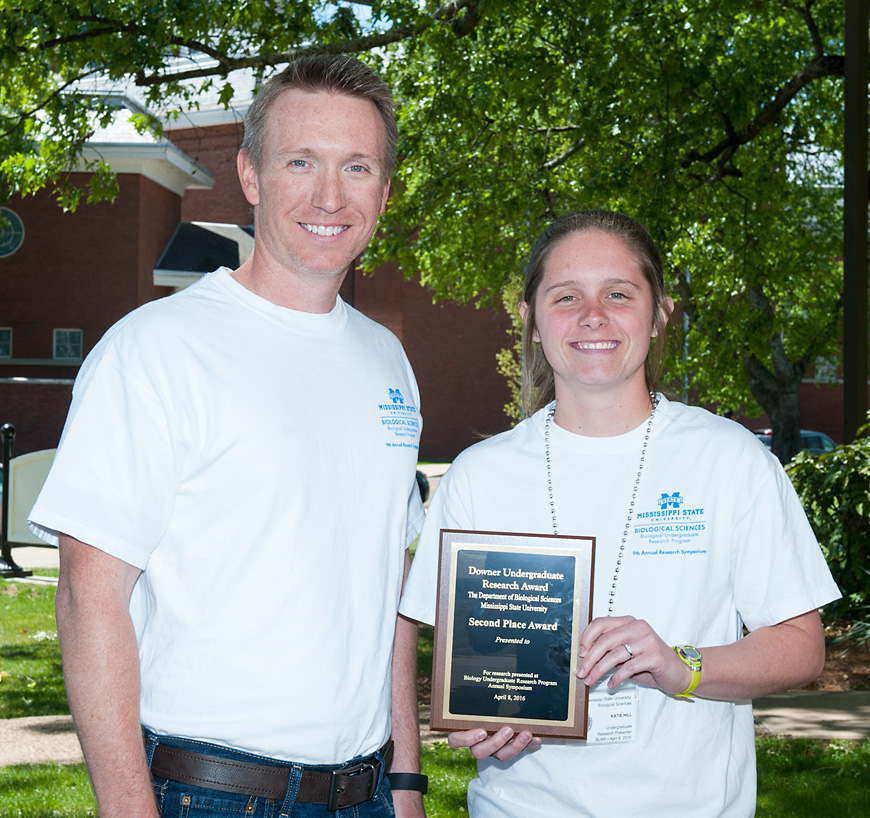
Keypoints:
(336, 789)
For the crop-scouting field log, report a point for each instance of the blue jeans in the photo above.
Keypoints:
(176, 800)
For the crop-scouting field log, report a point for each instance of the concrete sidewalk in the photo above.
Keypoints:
(797, 713)
(45, 739)
(800, 714)
(39, 740)
(807, 714)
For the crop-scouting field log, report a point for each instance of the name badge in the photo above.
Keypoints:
(612, 713)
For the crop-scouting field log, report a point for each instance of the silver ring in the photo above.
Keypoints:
(630, 651)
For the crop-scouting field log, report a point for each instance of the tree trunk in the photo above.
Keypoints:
(779, 396)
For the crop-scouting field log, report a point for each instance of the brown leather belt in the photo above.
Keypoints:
(338, 787)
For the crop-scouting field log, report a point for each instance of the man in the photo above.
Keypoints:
(221, 586)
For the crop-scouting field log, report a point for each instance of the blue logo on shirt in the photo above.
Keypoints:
(669, 530)
(400, 420)
(670, 500)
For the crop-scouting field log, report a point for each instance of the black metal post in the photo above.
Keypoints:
(855, 196)
(8, 568)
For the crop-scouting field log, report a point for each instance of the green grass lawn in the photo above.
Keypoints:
(796, 778)
(449, 772)
(31, 682)
(807, 778)
(46, 791)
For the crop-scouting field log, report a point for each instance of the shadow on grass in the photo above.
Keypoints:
(425, 645)
(34, 686)
(806, 778)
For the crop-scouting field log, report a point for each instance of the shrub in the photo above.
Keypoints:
(834, 488)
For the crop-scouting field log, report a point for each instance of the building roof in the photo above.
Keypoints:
(127, 150)
(197, 248)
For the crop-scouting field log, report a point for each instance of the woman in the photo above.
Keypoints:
(698, 534)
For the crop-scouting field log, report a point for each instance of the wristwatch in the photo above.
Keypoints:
(691, 657)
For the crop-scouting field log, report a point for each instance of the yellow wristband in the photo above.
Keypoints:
(691, 657)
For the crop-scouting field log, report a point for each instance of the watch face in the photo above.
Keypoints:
(11, 232)
(691, 653)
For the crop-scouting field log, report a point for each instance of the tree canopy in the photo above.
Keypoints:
(718, 124)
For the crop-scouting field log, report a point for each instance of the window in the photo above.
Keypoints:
(11, 232)
(826, 370)
(5, 342)
(67, 344)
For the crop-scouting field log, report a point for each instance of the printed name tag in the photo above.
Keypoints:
(612, 713)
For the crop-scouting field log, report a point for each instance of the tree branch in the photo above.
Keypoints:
(818, 343)
(465, 25)
(549, 209)
(448, 13)
(108, 27)
(687, 299)
(550, 129)
(487, 123)
(827, 65)
(760, 302)
(561, 159)
(783, 366)
(228, 64)
(762, 383)
(57, 92)
(805, 13)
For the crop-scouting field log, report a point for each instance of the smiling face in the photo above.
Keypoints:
(319, 188)
(594, 317)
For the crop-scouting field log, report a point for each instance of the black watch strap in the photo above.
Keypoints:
(409, 781)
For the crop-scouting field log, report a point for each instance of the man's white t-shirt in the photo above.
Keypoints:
(257, 463)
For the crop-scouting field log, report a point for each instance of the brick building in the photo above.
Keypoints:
(67, 277)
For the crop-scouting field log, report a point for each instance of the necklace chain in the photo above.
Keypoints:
(655, 402)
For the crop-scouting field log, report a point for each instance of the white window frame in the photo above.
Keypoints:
(57, 339)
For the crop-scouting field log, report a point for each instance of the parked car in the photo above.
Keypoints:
(813, 442)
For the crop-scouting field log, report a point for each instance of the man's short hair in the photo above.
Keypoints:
(337, 74)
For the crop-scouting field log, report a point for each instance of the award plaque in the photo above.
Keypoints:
(511, 608)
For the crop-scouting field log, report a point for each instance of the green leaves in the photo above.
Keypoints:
(718, 124)
(661, 110)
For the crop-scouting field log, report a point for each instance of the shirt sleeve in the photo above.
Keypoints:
(117, 467)
(416, 516)
(779, 570)
(445, 511)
